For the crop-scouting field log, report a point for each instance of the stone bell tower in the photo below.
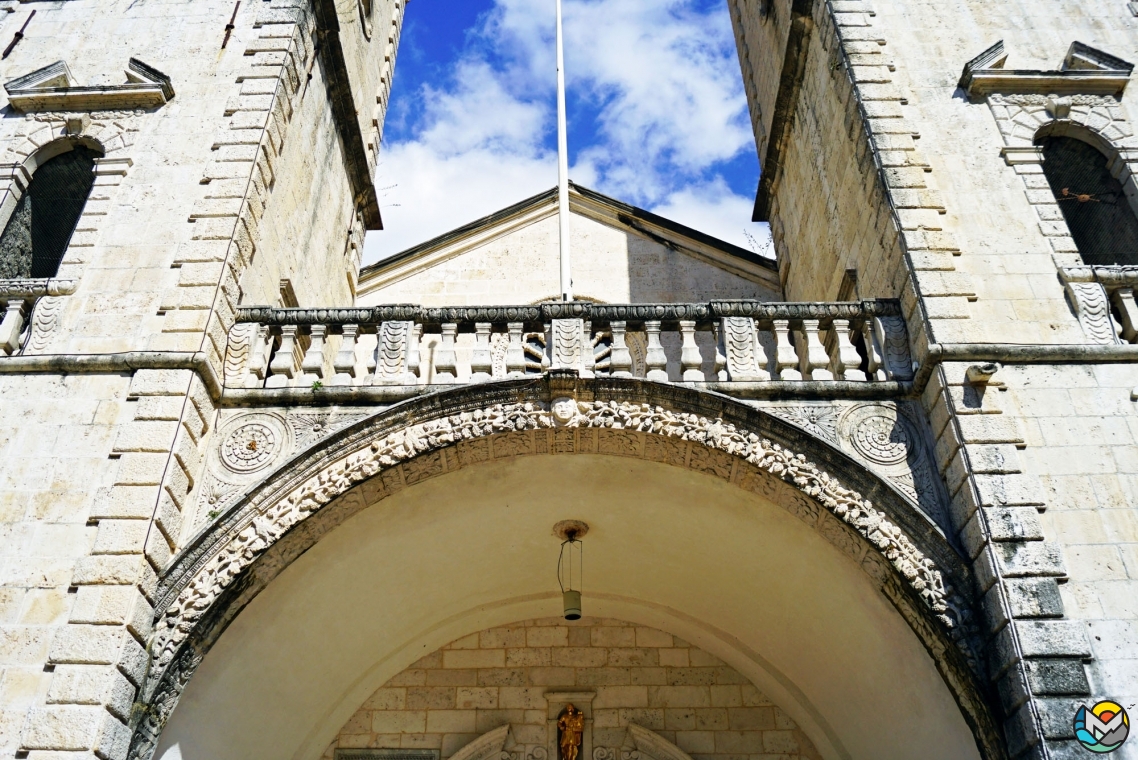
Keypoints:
(217, 153)
(982, 169)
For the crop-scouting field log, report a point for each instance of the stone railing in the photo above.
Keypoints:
(17, 299)
(720, 341)
(1104, 299)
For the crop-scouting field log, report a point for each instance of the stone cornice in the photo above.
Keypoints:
(1111, 276)
(52, 89)
(36, 288)
(668, 312)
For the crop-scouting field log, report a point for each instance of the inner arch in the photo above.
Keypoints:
(669, 548)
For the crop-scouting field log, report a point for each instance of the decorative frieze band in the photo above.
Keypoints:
(882, 307)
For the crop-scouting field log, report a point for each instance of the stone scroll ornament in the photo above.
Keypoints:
(1089, 299)
(175, 663)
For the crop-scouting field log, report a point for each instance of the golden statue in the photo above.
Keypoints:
(571, 724)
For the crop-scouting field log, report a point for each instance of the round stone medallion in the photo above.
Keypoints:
(880, 434)
(252, 442)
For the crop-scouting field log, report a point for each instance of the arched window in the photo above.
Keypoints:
(45, 217)
(1097, 211)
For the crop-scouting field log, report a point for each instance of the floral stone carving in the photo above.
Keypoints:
(385, 462)
(619, 417)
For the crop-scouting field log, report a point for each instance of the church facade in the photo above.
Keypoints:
(874, 498)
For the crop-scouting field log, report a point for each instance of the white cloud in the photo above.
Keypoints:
(657, 82)
(714, 209)
(480, 150)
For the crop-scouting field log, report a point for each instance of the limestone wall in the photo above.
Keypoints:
(194, 211)
(618, 673)
(1010, 246)
(1038, 459)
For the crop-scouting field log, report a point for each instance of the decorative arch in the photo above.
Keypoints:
(230, 562)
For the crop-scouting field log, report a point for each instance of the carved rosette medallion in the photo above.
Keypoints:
(879, 434)
(251, 443)
(883, 438)
(887, 440)
(249, 447)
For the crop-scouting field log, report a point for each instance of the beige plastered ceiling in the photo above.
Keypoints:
(668, 548)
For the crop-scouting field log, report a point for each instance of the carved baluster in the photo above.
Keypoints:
(414, 372)
(445, 370)
(12, 326)
(1124, 301)
(312, 368)
(656, 360)
(345, 361)
(847, 361)
(815, 361)
(283, 367)
(481, 363)
(873, 351)
(720, 368)
(691, 361)
(786, 360)
(515, 351)
(371, 359)
(620, 362)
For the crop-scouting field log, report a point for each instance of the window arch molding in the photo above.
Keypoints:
(1094, 189)
(24, 179)
(22, 173)
(1122, 163)
(1026, 120)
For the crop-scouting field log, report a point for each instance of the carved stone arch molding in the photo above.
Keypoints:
(228, 563)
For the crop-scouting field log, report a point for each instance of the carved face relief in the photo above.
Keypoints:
(564, 410)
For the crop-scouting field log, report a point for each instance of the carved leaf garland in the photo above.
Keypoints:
(265, 528)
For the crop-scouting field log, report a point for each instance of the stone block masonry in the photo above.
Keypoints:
(183, 222)
(621, 673)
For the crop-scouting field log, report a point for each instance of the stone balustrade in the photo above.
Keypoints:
(720, 341)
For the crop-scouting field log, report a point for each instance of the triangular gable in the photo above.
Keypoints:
(53, 88)
(1085, 70)
(510, 226)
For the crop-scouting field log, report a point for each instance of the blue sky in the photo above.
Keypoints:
(657, 114)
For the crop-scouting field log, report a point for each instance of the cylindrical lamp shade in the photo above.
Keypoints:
(572, 600)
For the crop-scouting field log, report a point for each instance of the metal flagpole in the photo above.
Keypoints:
(563, 166)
